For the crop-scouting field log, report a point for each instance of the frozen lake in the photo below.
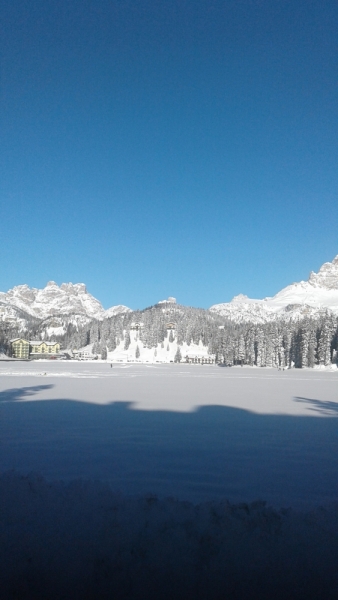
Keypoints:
(189, 431)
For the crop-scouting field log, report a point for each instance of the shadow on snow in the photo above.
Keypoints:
(212, 453)
(82, 541)
(323, 407)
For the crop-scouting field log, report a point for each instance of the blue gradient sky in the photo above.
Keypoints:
(155, 148)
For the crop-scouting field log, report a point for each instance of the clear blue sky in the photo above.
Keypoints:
(168, 147)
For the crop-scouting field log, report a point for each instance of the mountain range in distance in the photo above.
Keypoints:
(306, 298)
(298, 300)
(54, 300)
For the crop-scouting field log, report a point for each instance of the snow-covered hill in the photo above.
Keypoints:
(318, 294)
(68, 298)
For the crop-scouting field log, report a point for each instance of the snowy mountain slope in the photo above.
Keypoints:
(306, 298)
(116, 310)
(327, 276)
(52, 299)
(14, 319)
(68, 298)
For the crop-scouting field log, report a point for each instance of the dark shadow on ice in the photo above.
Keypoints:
(19, 394)
(215, 452)
(323, 407)
(81, 540)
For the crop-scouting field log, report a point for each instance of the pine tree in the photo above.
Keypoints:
(304, 347)
(269, 346)
(178, 355)
(312, 348)
(281, 351)
(241, 350)
(260, 348)
(287, 338)
(94, 333)
(228, 350)
(334, 342)
(126, 340)
(96, 348)
(250, 348)
(324, 345)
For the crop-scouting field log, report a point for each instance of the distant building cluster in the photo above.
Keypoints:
(82, 355)
(26, 349)
(171, 300)
(197, 359)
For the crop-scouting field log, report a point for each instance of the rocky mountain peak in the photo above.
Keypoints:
(327, 276)
(240, 298)
(295, 301)
(74, 288)
(53, 300)
(22, 291)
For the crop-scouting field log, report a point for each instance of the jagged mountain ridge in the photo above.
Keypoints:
(306, 298)
(298, 300)
(54, 300)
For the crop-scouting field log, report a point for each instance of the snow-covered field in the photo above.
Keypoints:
(199, 434)
(190, 431)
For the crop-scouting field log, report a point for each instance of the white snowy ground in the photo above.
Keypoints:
(194, 433)
(190, 431)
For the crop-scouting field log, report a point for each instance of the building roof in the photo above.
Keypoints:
(39, 342)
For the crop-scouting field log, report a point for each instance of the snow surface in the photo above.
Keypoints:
(189, 454)
(194, 432)
(82, 541)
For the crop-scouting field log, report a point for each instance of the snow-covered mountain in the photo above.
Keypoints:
(116, 310)
(75, 305)
(306, 298)
(68, 298)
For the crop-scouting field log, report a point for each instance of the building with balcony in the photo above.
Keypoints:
(41, 349)
(20, 348)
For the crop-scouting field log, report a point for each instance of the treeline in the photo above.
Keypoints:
(303, 343)
(150, 326)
